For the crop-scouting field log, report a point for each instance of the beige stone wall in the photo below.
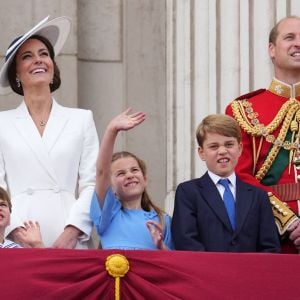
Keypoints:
(121, 63)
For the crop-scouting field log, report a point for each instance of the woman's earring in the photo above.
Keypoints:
(18, 82)
(51, 82)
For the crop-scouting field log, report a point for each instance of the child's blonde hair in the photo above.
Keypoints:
(218, 123)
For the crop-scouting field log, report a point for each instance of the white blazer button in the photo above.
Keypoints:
(56, 189)
(30, 191)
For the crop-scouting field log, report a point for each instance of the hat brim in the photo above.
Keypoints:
(56, 31)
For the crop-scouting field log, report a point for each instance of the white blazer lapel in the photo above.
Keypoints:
(27, 129)
(55, 125)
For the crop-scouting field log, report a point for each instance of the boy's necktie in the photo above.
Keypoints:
(228, 201)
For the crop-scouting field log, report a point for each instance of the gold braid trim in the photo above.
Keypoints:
(242, 107)
(283, 214)
(247, 120)
(278, 144)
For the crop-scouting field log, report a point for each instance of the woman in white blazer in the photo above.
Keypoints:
(47, 151)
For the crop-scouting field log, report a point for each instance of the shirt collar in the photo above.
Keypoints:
(215, 178)
(282, 89)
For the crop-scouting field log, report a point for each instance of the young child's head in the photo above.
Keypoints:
(129, 180)
(128, 175)
(219, 141)
(5, 210)
(4, 198)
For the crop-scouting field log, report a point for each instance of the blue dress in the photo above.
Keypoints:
(121, 228)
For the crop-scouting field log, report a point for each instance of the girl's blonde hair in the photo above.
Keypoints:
(146, 202)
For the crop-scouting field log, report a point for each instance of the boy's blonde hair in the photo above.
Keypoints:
(218, 123)
(5, 197)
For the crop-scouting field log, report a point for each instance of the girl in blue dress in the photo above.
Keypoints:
(122, 212)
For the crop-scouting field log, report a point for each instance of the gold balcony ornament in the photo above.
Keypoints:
(117, 266)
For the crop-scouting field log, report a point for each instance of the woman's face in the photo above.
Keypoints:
(34, 65)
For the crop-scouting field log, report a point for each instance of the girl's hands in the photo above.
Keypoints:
(157, 235)
(126, 120)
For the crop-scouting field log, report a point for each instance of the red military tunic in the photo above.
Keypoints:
(270, 123)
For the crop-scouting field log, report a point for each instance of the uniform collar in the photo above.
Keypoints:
(282, 89)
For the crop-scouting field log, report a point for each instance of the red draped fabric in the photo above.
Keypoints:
(81, 274)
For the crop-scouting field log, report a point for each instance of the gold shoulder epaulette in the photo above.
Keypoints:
(283, 214)
(248, 119)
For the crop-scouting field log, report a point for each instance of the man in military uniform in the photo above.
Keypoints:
(270, 123)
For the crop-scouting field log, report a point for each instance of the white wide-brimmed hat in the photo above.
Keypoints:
(55, 30)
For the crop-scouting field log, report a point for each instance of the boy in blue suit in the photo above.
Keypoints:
(210, 217)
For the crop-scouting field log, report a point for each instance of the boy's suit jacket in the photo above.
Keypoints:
(200, 221)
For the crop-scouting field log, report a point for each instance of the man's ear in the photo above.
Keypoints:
(271, 51)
